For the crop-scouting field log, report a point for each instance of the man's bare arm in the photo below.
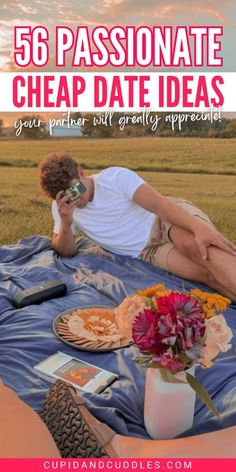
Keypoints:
(149, 199)
(64, 241)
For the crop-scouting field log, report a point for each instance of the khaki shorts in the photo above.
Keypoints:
(157, 249)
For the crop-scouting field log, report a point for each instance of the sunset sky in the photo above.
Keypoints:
(92, 13)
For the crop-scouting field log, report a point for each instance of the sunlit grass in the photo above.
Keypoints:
(156, 154)
(25, 211)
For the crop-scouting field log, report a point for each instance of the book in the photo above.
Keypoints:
(82, 375)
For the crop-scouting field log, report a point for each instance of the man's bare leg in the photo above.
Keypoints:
(22, 432)
(220, 267)
(183, 267)
(219, 444)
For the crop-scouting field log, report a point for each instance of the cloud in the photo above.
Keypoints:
(6, 41)
(110, 12)
(124, 11)
(162, 10)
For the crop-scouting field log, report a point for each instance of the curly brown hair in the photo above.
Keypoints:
(56, 173)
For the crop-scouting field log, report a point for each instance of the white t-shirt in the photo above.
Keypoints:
(112, 219)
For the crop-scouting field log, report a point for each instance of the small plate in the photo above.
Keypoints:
(103, 315)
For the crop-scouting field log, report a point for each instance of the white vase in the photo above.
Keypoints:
(168, 406)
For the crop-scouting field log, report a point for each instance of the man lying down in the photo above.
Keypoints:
(123, 214)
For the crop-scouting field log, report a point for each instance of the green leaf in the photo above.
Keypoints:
(153, 366)
(143, 361)
(202, 393)
(152, 305)
(185, 360)
(167, 376)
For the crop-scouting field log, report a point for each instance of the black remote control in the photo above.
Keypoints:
(39, 293)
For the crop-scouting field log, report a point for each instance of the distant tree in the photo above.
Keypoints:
(33, 127)
(76, 115)
(218, 129)
(87, 129)
(1, 126)
(95, 126)
(230, 129)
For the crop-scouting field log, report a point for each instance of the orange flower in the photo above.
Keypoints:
(217, 301)
(210, 302)
(155, 291)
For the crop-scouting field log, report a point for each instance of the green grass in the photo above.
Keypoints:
(25, 211)
(186, 155)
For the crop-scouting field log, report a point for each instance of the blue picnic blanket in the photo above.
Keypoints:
(96, 278)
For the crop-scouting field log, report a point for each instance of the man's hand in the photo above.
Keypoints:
(65, 209)
(206, 235)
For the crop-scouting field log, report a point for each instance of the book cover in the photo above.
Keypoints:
(80, 374)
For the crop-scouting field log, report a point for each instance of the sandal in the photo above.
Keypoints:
(75, 430)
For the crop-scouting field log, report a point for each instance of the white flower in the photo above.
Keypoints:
(127, 312)
(218, 335)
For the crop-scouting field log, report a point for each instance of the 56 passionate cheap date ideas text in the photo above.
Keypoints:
(83, 51)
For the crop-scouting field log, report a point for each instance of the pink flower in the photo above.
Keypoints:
(170, 362)
(126, 313)
(178, 304)
(155, 332)
(145, 333)
(186, 310)
(218, 336)
(193, 331)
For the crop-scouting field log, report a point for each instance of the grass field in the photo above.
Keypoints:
(25, 211)
(156, 154)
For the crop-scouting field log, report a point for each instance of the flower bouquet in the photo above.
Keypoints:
(174, 331)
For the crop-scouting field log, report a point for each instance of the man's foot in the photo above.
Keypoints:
(75, 430)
